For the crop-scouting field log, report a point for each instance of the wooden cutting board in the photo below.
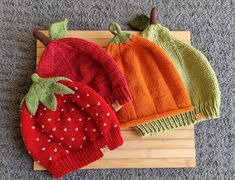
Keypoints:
(171, 149)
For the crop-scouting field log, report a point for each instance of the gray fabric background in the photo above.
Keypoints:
(212, 27)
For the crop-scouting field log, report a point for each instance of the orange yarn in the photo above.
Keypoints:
(155, 85)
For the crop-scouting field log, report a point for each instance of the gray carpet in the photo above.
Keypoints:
(212, 27)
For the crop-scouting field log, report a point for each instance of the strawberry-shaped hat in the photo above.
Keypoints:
(82, 61)
(65, 124)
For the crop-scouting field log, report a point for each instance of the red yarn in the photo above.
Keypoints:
(70, 137)
(85, 62)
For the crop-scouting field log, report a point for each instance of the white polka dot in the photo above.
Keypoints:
(94, 130)
(37, 139)
(62, 95)
(40, 114)
(80, 119)
(69, 119)
(54, 129)
(64, 101)
(59, 144)
(61, 138)
(72, 109)
(49, 119)
(78, 96)
(115, 125)
(50, 158)
(88, 105)
(42, 126)
(89, 118)
(97, 114)
(55, 150)
(58, 119)
(29, 152)
(38, 161)
(84, 138)
(81, 147)
(30, 116)
(33, 127)
(70, 146)
(44, 109)
(105, 124)
(101, 133)
(108, 114)
(82, 109)
(98, 103)
(43, 148)
(87, 95)
(66, 151)
(76, 129)
(51, 136)
(76, 88)
(65, 129)
(62, 109)
(49, 140)
(73, 139)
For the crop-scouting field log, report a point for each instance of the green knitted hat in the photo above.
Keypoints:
(197, 75)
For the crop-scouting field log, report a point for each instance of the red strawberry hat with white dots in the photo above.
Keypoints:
(65, 124)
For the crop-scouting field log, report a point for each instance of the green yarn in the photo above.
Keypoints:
(168, 123)
(58, 30)
(197, 75)
(140, 22)
(119, 36)
(43, 90)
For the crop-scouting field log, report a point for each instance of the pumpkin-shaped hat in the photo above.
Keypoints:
(155, 85)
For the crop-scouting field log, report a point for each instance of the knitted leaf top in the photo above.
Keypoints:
(72, 135)
(155, 85)
(195, 71)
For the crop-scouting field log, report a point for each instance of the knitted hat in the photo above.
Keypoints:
(155, 85)
(85, 62)
(195, 71)
(65, 124)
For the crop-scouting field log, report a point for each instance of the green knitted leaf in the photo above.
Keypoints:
(43, 90)
(140, 22)
(32, 101)
(61, 89)
(60, 79)
(49, 100)
(119, 35)
(58, 30)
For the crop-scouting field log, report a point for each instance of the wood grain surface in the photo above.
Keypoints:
(170, 149)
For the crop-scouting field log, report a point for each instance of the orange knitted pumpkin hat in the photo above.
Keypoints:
(156, 86)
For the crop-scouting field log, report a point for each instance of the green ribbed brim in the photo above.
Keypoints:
(168, 123)
(208, 110)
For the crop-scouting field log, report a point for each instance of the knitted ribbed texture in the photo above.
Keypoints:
(86, 62)
(155, 85)
(196, 73)
(168, 123)
(71, 135)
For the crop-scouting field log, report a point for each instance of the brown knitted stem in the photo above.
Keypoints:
(153, 15)
(42, 37)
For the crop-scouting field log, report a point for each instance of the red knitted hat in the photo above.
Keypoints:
(64, 124)
(85, 62)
